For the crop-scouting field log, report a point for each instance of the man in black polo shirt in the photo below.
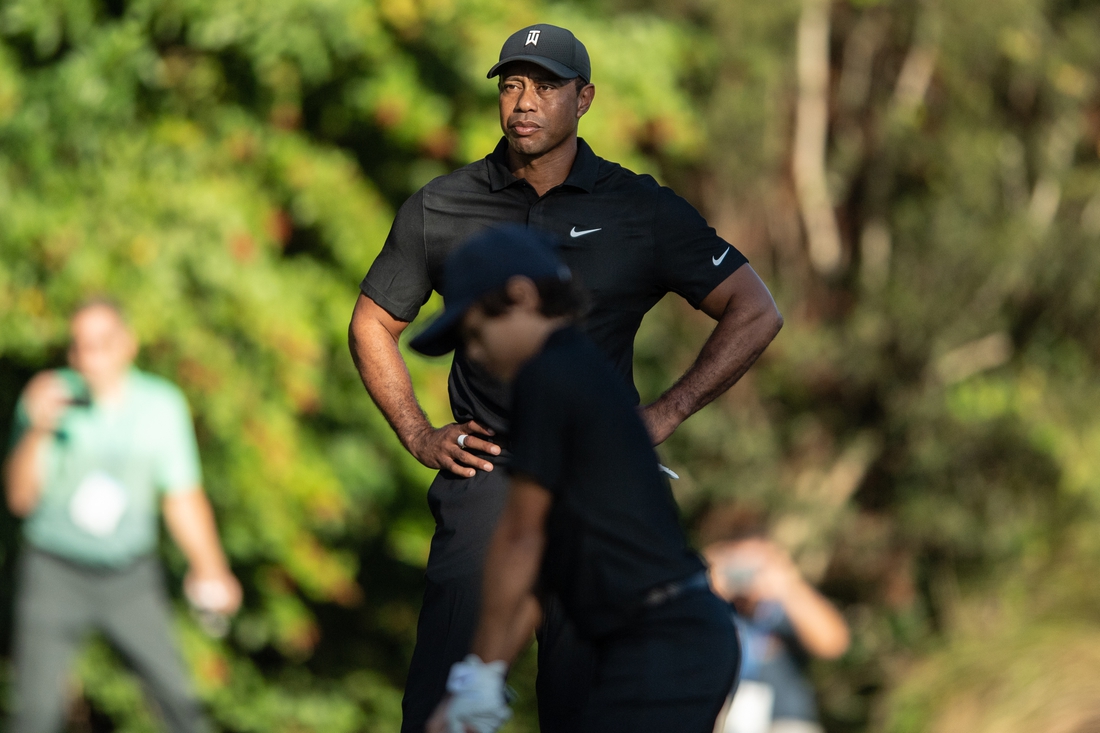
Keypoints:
(628, 240)
(588, 516)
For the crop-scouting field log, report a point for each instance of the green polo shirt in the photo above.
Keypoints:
(105, 469)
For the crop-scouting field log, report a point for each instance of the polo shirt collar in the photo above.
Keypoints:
(582, 175)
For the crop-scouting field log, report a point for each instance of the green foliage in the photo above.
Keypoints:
(922, 432)
(228, 171)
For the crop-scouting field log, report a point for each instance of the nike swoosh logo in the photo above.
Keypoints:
(574, 233)
(718, 260)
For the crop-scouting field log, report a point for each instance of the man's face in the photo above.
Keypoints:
(102, 347)
(502, 344)
(539, 111)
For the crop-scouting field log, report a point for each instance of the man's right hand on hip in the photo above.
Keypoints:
(448, 448)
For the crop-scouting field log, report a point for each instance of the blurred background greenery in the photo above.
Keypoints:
(918, 181)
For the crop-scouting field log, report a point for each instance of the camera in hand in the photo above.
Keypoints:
(81, 398)
(740, 576)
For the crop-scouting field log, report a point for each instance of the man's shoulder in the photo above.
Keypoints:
(474, 174)
(153, 387)
(663, 202)
(612, 174)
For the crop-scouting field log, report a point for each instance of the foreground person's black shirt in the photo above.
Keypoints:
(613, 531)
(628, 240)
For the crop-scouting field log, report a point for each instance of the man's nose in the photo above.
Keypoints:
(527, 100)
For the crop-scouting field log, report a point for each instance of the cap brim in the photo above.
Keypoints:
(561, 70)
(441, 336)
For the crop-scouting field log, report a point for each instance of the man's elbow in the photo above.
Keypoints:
(769, 321)
(835, 647)
(15, 509)
(372, 325)
(355, 325)
(18, 504)
(353, 342)
(774, 319)
(754, 308)
(519, 536)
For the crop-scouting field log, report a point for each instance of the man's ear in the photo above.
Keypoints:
(132, 345)
(584, 99)
(523, 293)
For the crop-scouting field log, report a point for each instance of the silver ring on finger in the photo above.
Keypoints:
(461, 440)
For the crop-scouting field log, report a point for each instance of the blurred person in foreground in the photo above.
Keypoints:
(95, 447)
(629, 241)
(589, 516)
(783, 622)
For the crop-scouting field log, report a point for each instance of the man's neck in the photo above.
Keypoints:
(109, 391)
(544, 172)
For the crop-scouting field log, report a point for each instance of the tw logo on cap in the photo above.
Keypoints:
(532, 38)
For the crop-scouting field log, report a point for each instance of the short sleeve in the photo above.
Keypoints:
(177, 461)
(691, 258)
(540, 422)
(398, 279)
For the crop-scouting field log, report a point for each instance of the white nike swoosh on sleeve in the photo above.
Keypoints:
(718, 260)
(574, 233)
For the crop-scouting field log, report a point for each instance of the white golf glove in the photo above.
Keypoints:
(478, 700)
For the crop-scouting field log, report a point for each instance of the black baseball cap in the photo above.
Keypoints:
(555, 49)
(481, 265)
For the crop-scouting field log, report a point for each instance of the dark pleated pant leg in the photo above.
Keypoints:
(51, 622)
(670, 672)
(134, 615)
(567, 665)
(466, 513)
(444, 632)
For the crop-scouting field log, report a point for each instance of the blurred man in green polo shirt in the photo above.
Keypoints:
(96, 448)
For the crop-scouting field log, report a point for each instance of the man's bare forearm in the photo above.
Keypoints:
(45, 398)
(509, 609)
(382, 368)
(23, 472)
(732, 348)
(820, 627)
(190, 520)
(372, 337)
(377, 357)
(747, 322)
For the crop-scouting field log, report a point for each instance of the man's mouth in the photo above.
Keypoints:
(524, 127)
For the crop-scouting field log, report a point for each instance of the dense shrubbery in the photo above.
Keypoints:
(923, 431)
(228, 170)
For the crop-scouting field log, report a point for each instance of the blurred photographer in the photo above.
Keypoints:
(96, 448)
(783, 622)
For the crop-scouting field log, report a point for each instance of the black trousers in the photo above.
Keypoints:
(688, 646)
(669, 671)
(466, 512)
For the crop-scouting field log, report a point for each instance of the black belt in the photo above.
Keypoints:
(667, 592)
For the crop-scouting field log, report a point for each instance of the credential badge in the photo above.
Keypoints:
(532, 38)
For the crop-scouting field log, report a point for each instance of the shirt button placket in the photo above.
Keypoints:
(536, 216)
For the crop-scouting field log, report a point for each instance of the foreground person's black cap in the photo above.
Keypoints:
(484, 264)
(555, 49)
